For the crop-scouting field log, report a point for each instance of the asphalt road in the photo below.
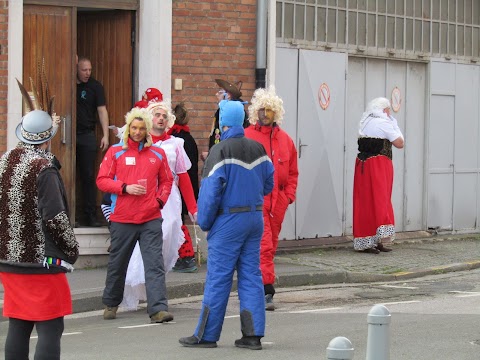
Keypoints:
(433, 318)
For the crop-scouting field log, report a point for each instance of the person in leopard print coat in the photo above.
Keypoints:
(37, 242)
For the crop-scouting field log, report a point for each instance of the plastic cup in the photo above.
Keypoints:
(143, 182)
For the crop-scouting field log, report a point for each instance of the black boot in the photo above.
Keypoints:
(249, 342)
(193, 341)
(383, 248)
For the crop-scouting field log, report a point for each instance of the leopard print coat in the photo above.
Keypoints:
(33, 211)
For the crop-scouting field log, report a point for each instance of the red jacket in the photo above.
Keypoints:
(120, 166)
(281, 150)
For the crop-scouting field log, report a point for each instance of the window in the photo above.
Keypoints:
(408, 28)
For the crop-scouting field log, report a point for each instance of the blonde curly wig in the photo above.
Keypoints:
(266, 98)
(139, 114)
(164, 105)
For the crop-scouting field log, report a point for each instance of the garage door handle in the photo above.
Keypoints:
(300, 145)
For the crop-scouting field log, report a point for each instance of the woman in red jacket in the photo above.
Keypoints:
(265, 115)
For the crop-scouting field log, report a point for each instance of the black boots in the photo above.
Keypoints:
(383, 248)
(249, 342)
(192, 341)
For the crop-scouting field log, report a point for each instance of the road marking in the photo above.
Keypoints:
(64, 334)
(312, 311)
(232, 316)
(401, 302)
(465, 293)
(137, 326)
(400, 287)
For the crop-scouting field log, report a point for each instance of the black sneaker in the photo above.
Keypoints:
(193, 341)
(249, 342)
(185, 265)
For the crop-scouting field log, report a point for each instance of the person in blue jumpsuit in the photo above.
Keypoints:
(237, 175)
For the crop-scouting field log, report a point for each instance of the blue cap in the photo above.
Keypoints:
(232, 113)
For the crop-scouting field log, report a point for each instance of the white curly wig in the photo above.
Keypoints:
(164, 105)
(266, 98)
(139, 114)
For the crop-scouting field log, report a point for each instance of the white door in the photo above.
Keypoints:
(320, 143)
(441, 133)
(286, 77)
(319, 136)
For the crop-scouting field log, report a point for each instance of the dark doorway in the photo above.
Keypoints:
(106, 38)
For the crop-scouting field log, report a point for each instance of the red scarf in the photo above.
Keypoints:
(157, 138)
(176, 128)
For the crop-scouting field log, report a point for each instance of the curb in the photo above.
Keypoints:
(309, 278)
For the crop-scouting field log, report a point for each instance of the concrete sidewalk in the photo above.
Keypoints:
(318, 262)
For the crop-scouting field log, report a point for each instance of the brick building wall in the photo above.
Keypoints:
(3, 74)
(211, 39)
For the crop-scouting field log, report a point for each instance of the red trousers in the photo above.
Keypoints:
(271, 229)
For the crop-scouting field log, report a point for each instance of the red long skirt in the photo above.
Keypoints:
(36, 297)
(373, 217)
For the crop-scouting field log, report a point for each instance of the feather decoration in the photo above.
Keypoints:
(40, 99)
(36, 104)
(27, 100)
(44, 83)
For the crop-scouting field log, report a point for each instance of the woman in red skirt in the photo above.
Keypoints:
(37, 243)
(373, 218)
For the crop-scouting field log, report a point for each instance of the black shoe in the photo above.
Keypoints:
(192, 341)
(249, 342)
(383, 248)
(371, 251)
(185, 265)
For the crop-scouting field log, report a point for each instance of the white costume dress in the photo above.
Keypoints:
(173, 236)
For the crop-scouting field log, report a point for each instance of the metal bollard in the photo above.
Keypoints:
(378, 342)
(340, 348)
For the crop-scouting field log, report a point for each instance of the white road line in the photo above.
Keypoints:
(232, 316)
(400, 302)
(462, 294)
(64, 334)
(312, 311)
(400, 287)
(137, 326)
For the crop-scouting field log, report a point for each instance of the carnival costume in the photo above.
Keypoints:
(283, 154)
(373, 217)
(236, 177)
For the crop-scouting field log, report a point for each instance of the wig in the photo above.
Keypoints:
(138, 114)
(164, 105)
(263, 98)
(181, 114)
(375, 107)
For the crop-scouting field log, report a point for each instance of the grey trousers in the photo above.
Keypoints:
(123, 240)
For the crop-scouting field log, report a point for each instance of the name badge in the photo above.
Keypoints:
(129, 161)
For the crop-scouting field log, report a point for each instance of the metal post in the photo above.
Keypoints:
(340, 348)
(261, 47)
(378, 342)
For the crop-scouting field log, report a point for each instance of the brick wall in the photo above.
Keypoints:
(211, 39)
(3, 74)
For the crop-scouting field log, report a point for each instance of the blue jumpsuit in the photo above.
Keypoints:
(237, 175)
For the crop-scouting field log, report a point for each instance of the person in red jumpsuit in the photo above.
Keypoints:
(265, 116)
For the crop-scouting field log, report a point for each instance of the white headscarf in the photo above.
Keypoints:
(374, 108)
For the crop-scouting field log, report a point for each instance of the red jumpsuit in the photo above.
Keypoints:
(281, 150)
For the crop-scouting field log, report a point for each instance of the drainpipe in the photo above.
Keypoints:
(261, 60)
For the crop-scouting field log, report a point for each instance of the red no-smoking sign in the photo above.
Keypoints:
(396, 99)
(324, 96)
